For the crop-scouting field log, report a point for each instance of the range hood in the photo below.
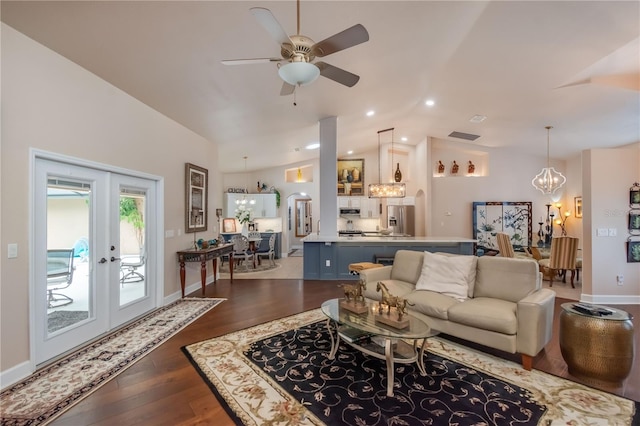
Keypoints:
(349, 211)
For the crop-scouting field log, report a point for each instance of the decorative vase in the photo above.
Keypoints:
(398, 175)
(349, 178)
(245, 230)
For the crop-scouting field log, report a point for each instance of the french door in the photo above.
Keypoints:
(94, 251)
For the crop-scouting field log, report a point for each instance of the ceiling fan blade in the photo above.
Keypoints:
(250, 61)
(271, 24)
(337, 74)
(343, 40)
(287, 89)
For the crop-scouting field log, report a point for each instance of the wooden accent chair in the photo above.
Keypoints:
(564, 252)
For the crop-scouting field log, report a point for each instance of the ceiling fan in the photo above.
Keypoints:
(296, 66)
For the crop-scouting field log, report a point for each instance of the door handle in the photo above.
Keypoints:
(103, 260)
(113, 259)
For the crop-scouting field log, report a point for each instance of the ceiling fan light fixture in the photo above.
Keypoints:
(299, 73)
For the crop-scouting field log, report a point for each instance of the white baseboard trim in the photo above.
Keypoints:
(15, 374)
(603, 299)
(190, 288)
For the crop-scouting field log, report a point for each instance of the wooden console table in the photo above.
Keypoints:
(202, 256)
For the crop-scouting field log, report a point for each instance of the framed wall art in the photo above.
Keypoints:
(512, 218)
(577, 204)
(634, 194)
(634, 221)
(196, 198)
(351, 176)
(633, 251)
(228, 225)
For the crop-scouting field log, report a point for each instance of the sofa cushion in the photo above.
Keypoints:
(430, 303)
(487, 314)
(506, 278)
(407, 265)
(395, 287)
(449, 275)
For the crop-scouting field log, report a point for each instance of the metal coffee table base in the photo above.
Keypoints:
(403, 353)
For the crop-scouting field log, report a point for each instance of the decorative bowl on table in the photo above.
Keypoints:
(385, 231)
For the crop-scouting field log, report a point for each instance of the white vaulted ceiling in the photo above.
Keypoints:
(523, 64)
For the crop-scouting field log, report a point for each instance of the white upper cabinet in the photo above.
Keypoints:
(261, 205)
(349, 202)
(370, 208)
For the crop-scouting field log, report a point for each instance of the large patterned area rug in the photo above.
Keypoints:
(262, 267)
(278, 373)
(47, 393)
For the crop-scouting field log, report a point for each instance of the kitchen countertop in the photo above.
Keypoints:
(315, 238)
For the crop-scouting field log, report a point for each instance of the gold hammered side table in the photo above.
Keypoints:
(596, 346)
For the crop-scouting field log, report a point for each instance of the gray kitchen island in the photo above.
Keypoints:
(329, 257)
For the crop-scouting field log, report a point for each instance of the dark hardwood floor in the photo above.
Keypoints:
(164, 389)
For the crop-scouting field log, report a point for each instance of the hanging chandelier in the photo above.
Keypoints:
(390, 189)
(549, 180)
(245, 203)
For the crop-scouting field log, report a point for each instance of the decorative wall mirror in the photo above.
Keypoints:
(196, 198)
(303, 217)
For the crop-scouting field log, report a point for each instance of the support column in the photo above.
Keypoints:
(328, 176)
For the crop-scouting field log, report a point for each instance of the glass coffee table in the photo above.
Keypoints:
(364, 333)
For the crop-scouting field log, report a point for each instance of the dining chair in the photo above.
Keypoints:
(241, 250)
(270, 251)
(564, 252)
(506, 248)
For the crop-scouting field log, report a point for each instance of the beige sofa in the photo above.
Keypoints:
(505, 306)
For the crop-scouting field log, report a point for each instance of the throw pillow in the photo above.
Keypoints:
(448, 275)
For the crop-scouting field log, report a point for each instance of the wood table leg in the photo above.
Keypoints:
(214, 261)
(182, 277)
(231, 265)
(203, 273)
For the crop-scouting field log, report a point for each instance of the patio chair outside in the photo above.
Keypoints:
(59, 276)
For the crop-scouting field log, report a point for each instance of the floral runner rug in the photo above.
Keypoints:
(49, 392)
(278, 373)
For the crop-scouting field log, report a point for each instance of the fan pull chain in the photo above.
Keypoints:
(295, 91)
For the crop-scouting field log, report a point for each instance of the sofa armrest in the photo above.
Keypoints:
(373, 275)
(535, 321)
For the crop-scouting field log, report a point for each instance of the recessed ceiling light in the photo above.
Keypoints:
(478, 118)
(430, 102)
(370, 113)
(349, 152)
(313, 146)
(404, 139)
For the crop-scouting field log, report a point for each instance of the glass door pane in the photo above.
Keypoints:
(68, 288)
(133, 283)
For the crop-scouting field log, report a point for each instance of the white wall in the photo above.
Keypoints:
(608, 174)
(506, 176)
(51, 104)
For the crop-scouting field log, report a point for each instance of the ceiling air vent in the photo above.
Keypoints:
(466, 136)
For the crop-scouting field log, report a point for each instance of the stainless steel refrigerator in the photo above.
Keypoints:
(401, 220)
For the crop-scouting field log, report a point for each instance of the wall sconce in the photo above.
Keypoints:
(454, 168)
(440, 167)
